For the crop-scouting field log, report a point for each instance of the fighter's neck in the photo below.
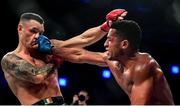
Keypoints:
(22, 50)
(32, 57)
(128, 59)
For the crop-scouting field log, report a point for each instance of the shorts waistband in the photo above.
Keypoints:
(59, 100)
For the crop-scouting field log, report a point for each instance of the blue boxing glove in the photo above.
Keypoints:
(44, 44)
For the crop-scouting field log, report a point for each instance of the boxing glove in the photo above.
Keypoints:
(44, 44)
(57, 60)
(111, 16)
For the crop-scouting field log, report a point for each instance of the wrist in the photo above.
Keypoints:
(51, 50)
(105, 27)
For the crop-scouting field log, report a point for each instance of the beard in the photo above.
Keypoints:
(111, 56)
(36, 54)
(115, 55)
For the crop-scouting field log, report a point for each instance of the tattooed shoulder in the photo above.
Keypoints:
(23, 70)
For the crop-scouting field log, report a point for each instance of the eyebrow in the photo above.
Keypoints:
(36, 29)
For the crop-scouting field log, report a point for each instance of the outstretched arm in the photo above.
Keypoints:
(77, 55)
(93, 35)
(87, 38)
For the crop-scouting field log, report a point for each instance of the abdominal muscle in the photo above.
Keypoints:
(29, 93)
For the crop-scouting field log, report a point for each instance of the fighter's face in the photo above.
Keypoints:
(29, 32)
(112, 45)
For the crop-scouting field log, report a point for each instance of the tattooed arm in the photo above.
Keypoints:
(23, 70)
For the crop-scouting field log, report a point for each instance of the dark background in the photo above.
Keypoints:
(159, 20)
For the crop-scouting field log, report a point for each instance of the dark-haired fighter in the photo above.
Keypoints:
(138, 74)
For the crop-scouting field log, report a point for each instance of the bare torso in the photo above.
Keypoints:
(126, 77)
(26, 91)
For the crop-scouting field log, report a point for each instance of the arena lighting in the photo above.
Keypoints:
(174, 69)
(63, 81)
(86, 1)
(106, 73)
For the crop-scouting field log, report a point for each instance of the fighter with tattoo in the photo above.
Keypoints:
(33, 75)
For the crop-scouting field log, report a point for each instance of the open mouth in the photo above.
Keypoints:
(34, 43)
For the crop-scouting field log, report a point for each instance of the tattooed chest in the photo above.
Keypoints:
(124, 78)
(21, 66)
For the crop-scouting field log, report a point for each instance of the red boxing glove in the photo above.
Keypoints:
(105, 27)
(57, 60)
(111, 16)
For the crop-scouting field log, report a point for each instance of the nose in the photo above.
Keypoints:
(106, 44)
(37, 35)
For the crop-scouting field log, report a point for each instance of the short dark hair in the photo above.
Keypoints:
(32, 16)
(130, 30)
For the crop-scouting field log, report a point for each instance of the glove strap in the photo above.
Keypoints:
(105, 27)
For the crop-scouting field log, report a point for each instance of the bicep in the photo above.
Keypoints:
(21, 70)
(92, 35)
(79, 55)
(142, 91)
(87, 38)
(94, 58)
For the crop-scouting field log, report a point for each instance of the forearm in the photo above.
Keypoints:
(79, 55)
(85, 39)
(94, 58)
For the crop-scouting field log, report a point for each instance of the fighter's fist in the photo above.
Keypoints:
(113, 16)
(44, 44)
(57, 60)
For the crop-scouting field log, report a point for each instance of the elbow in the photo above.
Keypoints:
(77, 56)
(74, 59)
(78, 59)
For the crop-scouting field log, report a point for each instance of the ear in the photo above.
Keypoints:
(20, 27)
(124, 44)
